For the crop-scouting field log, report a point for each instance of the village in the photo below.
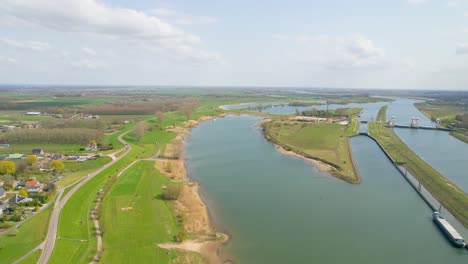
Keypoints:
(27, 180)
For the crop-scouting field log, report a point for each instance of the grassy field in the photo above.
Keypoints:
(77, 170)
(444, 111)
(48, 148)
(33, 258)
(76, 241)
(135, 219)
(460, 136)
(31, 233)
(447, 193)
(321, 141)
(382, 114)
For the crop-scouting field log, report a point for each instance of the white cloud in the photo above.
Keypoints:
(33, 45)
(162, 12)
(417, 2)
(88, 64)
(280, 37)
(452, 3)
(462, 49)
(94, 17)
(342, 53)
(89, 51)
(7, 60)
(182, 18)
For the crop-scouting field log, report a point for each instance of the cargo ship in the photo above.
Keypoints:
(450, 232)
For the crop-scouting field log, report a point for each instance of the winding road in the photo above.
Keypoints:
(48, 245)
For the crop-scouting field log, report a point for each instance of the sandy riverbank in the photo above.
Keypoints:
(321, 166)
(208, 242)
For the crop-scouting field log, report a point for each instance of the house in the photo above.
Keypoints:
(91, 147)
(15, 199)
(33, 113)
(37, 152)
(57, 157)
(33, 186)
(13, 183)
(3, 206)
(2, 193)
(16, 156)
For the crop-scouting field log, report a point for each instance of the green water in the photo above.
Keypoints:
(280, 209)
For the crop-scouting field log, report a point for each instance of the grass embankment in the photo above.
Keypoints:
(76, 241)
(460, 136)
(442, 111)
(33, 258)
(382, 114)
(19, 241)
(135, 218)
(447, 193)
(325, 142)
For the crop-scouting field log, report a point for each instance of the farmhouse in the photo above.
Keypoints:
(37, 152)
(33, 186)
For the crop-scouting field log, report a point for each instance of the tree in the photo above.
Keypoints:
(168, 167)
(160, 117)
(139, 130)
(31, 159)
(187, 108)
(57, 165)
(7, 167)
(172, 191)
(24, 192)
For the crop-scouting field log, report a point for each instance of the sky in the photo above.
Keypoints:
(401, 44)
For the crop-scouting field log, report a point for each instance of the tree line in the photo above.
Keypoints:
(183, 105)
(53, 136)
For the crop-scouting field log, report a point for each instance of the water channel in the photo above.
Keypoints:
(280, 209)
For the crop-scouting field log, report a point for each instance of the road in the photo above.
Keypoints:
(48, 245)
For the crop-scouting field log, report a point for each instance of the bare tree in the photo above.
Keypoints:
(139, 130)
(160, 117)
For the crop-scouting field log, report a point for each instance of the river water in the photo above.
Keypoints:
(445, 153)
(280, 209)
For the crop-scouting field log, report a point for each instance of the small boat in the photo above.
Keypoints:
(450, 232)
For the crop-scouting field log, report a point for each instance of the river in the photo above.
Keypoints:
(443, 152)
(280, 209)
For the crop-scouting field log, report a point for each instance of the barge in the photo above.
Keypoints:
(450, 232)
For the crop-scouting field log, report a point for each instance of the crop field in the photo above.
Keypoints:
(27, 236)
(451, 196)
(135, 219)
(322, 141)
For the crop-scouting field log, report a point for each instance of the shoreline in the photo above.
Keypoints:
(321, 165)
(208, 242)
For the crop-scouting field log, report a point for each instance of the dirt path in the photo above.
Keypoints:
(49, 243)
(94, 214)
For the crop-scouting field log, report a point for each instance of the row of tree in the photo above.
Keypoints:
(8, 167)
(53, 136)
(186, 106)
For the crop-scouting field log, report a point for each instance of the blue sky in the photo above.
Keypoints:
(404, 44)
